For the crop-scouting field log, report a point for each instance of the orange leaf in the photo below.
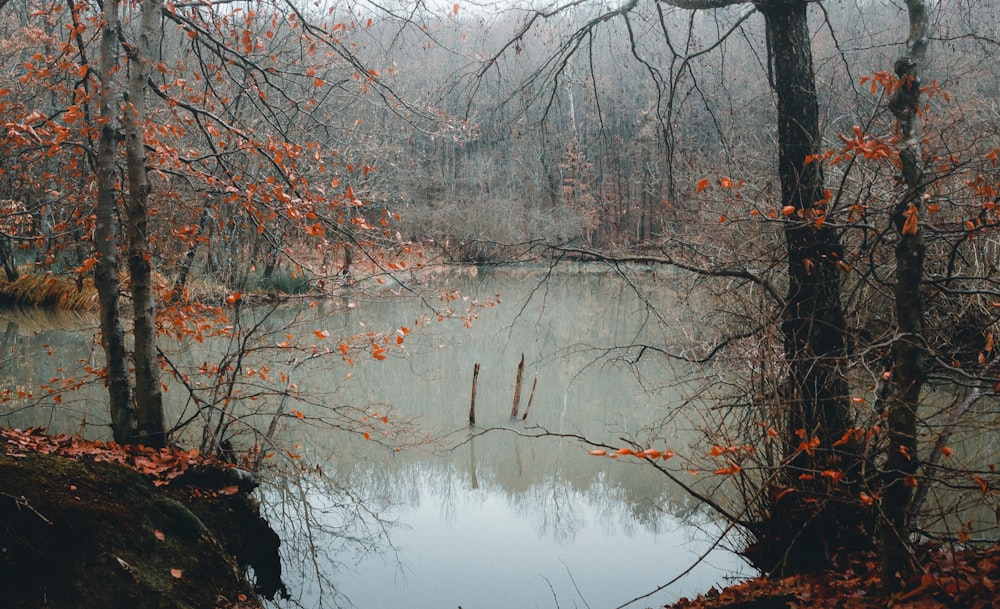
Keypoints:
(177, 573)
(343, 349)
(732, 469)
(788, 210)
(983, 486)
(367, 436)
(159, 534)
(947, 451)
(625, 451)
(321, 334)
(726, 183)
(833, 475)
(600, 452)
(298, 413)
(229, 490)
(910, 225)
(702, 185)
(88, 264)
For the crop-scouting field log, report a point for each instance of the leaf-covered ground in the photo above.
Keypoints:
(962, 579)
(90, 524)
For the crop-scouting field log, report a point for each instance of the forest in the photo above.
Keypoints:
(824, 174)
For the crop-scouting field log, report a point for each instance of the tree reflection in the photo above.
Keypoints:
(327, 525)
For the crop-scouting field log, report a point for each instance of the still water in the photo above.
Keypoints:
(434, 513)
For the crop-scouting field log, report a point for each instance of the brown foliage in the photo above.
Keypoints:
(953, 579)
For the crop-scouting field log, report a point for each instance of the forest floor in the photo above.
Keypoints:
(963, 579)
(91, 524)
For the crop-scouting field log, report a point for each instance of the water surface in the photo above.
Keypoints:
(438, 514)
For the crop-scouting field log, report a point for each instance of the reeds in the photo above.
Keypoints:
(77, 294)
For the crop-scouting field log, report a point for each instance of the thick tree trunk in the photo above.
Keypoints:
(907, 374)
(808, 525)
(813, 325)
(123, 417)
(148, 397)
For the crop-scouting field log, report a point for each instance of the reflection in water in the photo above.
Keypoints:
(551, 544)
(326, 530)
(494, 521)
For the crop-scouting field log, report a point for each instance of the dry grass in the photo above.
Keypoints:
(50, 291)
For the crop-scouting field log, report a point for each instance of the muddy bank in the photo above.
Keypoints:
(79, 530)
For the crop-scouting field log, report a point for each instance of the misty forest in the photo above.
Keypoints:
(568, 303)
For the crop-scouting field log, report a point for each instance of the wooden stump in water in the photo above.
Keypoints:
(517, 389)
(531, 397)
(472, 406)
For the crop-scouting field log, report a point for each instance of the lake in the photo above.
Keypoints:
(428, 512)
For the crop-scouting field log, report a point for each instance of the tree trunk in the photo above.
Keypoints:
(188, 262)
(7, 260)
(148, 397)
(907, 374)
(123, 416)
(807, 526)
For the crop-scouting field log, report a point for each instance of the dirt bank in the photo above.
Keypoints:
(93, 525)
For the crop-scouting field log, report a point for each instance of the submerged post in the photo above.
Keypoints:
(472, 406)
(531, 398)
(517, 389)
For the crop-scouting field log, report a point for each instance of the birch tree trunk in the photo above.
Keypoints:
(123, 416)
(907, 374)
(148, 397)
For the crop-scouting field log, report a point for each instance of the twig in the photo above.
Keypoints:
(22, 501)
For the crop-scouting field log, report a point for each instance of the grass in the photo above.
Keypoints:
(48, 290)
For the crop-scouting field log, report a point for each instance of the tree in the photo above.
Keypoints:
(126, 412)
(908, 371)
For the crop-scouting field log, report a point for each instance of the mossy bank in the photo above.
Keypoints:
(85, 533)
